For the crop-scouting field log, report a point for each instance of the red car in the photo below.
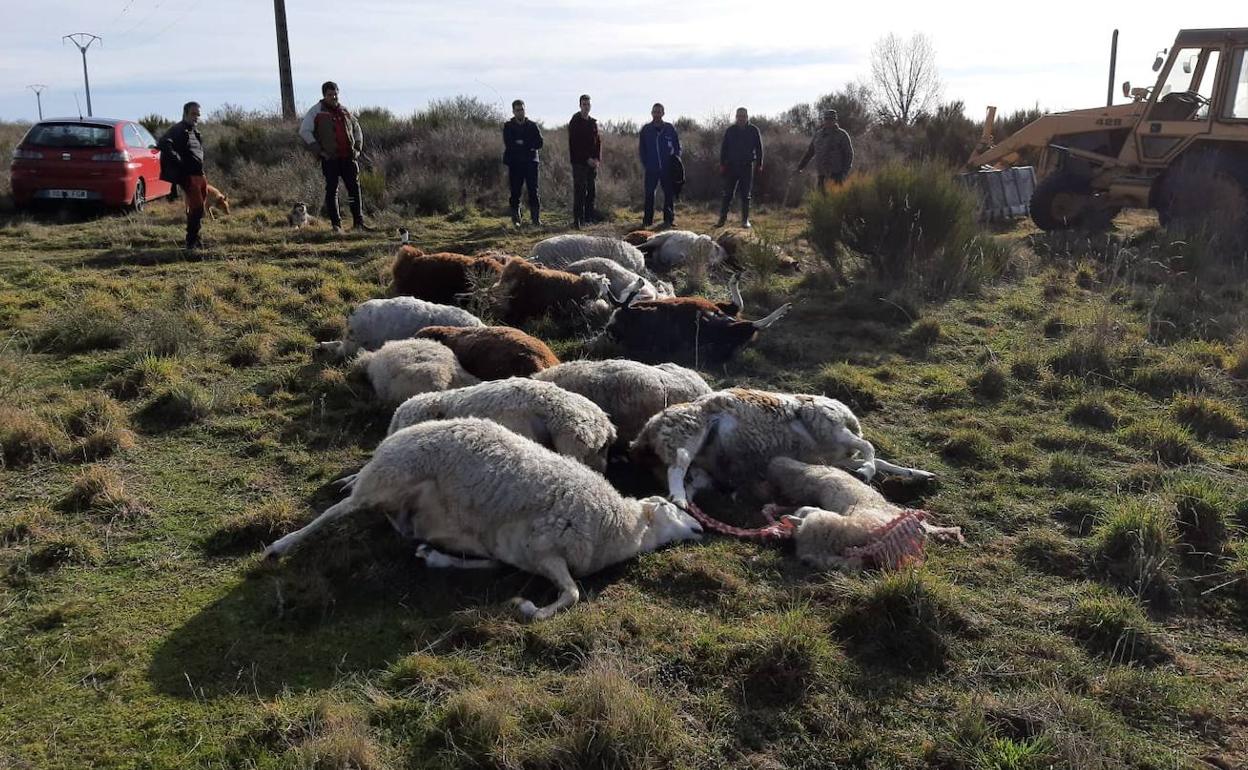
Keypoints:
(96, 160)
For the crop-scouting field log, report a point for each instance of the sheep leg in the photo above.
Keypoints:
(902, 472)
(854, 443)
(435, 559)
(684, 458)
(944, 534)
(331, 514)
(347, 483)
(554, 569)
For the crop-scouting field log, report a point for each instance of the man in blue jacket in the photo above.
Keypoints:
(658, 145)
(521, 141)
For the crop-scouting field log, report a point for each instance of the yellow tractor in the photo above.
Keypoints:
(1180, 147)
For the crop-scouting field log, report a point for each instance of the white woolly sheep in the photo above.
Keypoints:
(402, 368)
(838, 511)
(563, 250)
(674, 248)
(558, 419)
(377, 321)
(623, 281)
(731, 435)
(472, 487)
(629, 392)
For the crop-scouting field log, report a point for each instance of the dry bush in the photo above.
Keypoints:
(99, 491)
(26, 437)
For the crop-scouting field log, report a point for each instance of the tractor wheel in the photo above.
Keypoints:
(1202, 192)
(1064, 201)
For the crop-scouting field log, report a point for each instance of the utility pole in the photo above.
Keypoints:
(77, 39)
(39, 88)
(283, 61)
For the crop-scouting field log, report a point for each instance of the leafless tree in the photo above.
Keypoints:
(904, 81)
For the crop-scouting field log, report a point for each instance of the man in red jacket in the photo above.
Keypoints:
(585, 150)
(334, 134)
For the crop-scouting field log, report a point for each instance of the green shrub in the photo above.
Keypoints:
(175, 405)
(144, 374)
(1170, 376)
(1202, 510)
(1115, 627)
(93, 321)
(1026, 368)
(1134, 542)
(1084, 355)
(968, 447)
(26, 438)
(250, 349)
(1166, 442)
(914, 225)
(1094, 412)
(989, 384)
(905, 620)
(851, 385)
(1207, 417)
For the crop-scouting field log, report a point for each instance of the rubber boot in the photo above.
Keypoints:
(745, 215)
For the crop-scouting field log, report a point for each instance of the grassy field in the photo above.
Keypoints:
(161, 419)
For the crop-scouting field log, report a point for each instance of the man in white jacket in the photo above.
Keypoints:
(334, 134)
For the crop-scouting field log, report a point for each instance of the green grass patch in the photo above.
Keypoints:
(908, 620)
(1202, 510)
(1116, 628)
(1207, 417)
(849, 384)
(1134, 542)
(1163, 440)
(1093, 412)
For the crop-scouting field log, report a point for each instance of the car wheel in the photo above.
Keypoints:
(140, 197)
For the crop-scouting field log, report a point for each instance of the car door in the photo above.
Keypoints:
(142, 154)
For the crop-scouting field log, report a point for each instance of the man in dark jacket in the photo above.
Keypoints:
(585, 151)
(659, 145)
(740, 157)
(832, 151)
(521, 141)
(182, 164)
(334, 135)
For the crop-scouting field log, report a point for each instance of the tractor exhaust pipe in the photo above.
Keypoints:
(1113, 70)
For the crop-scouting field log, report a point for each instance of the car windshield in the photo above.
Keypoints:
(70, 135)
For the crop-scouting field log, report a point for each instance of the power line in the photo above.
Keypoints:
(38, 88)
(77, 39)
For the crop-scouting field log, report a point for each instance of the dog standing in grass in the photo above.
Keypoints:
(215, 199)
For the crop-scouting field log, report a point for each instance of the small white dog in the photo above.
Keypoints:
(298, 216)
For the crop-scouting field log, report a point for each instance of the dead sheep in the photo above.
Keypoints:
(837, 512)
(474, 488)
(671, 249)
(377, 321)
(558, 419)
(400, 369)
(630, 392)
(730, 436)
(562, 250)
(493, 352)
(623, 281)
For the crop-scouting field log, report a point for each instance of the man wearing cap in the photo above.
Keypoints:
(832, 151)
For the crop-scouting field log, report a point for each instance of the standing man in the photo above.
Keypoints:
(521, 141)
(182, 163)
(585, 150)
(659, 144)
(334, 134)
(832, 150)
(740, 158)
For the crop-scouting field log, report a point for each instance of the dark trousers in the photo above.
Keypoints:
(584, 177)
(348, 171)
(656, 177)
(835, 179)
(522, 175)
(738, 180)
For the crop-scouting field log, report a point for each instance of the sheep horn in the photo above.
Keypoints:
(776, 315)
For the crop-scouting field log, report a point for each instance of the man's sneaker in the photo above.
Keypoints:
(359, 225)
(337, 229)
(746, 224)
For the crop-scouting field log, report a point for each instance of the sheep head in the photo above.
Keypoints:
(665, 523)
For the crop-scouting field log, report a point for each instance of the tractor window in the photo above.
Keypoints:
(1188, 87)
(1236, 102)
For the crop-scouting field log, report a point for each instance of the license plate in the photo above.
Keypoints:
(75, 194)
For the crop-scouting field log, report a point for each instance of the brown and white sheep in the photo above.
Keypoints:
(494, 352)
(529, 291)
(441, 277)
(638, 237)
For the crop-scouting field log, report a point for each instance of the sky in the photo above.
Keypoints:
(701, 58)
